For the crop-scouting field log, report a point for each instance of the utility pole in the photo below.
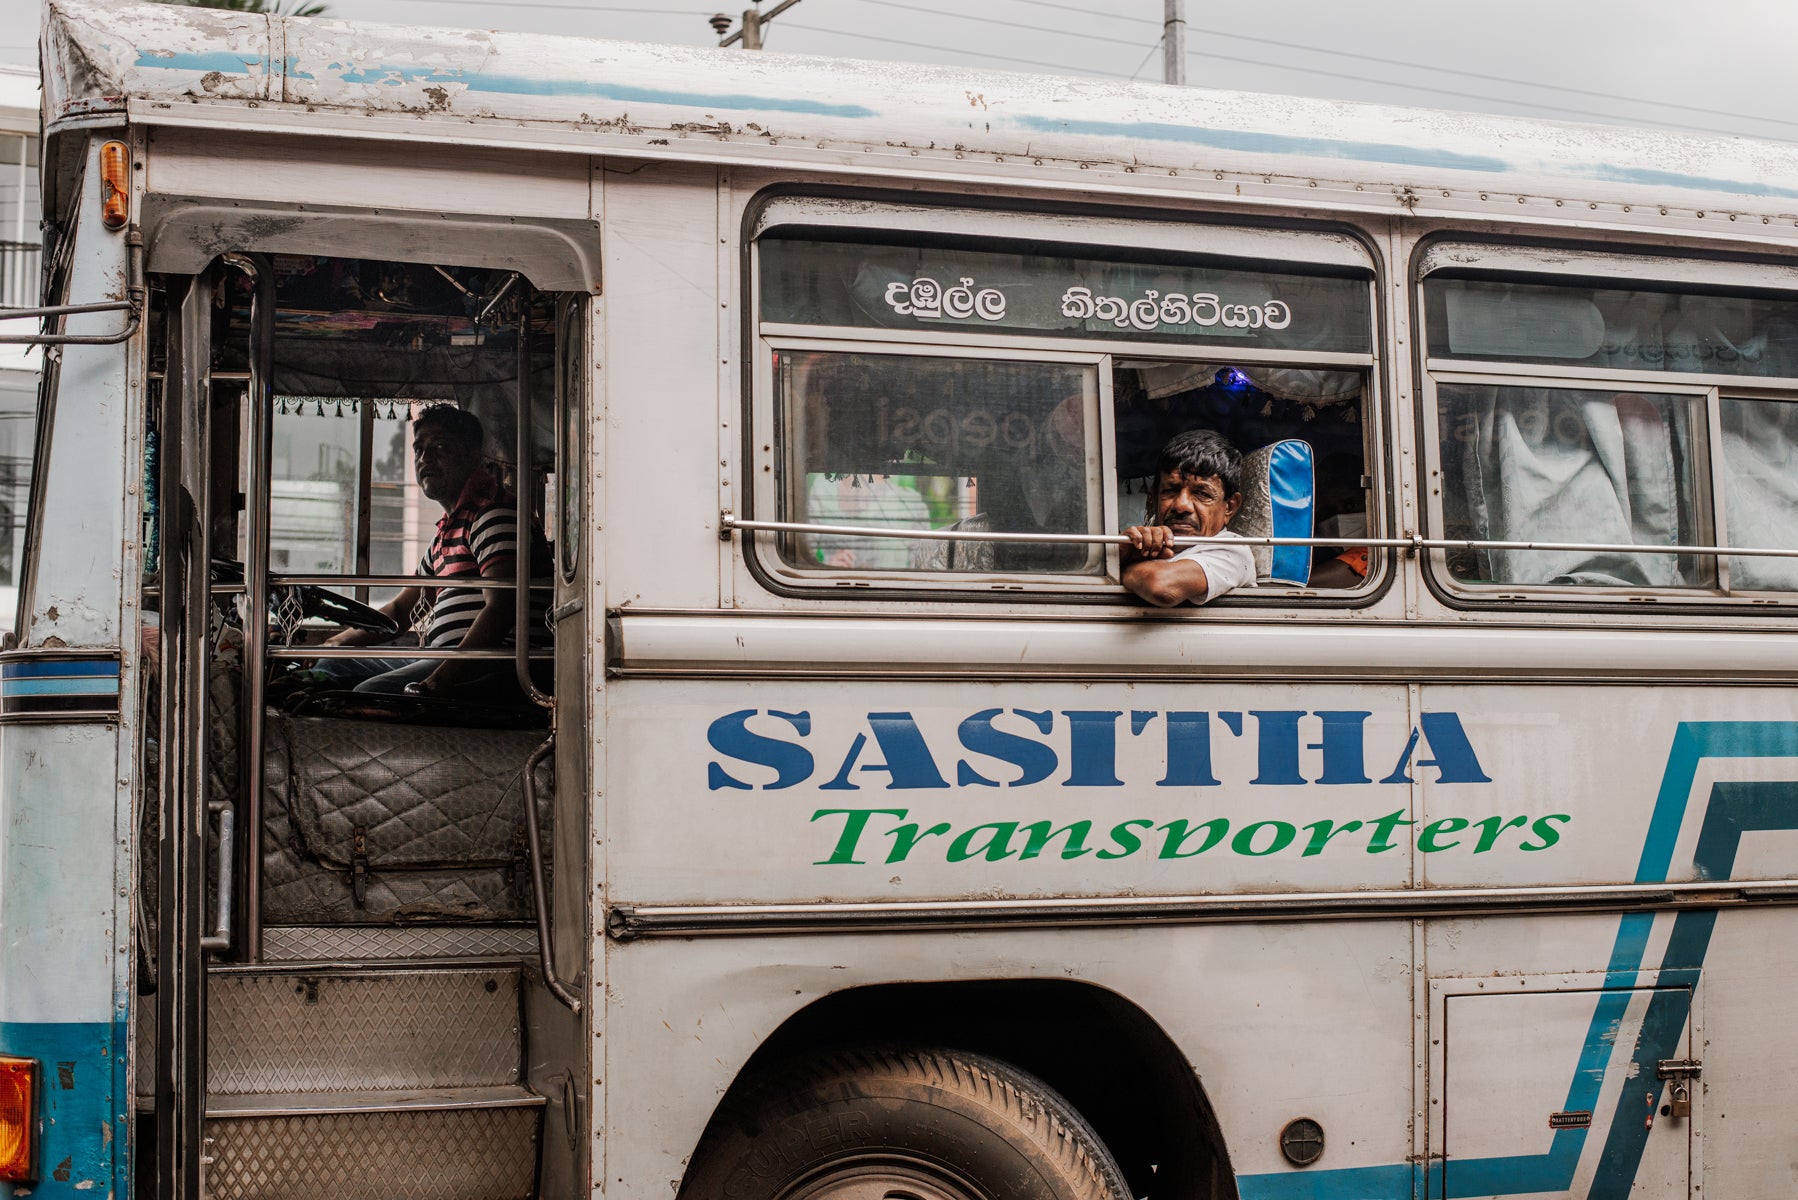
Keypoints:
(1173, 41)
(753, 22)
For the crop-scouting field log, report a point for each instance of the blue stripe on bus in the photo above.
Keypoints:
(90, 686)
(217, 60)
(1732, 810)
(1268, 143)
(511, 85)
(83, 1105)
(60, 666)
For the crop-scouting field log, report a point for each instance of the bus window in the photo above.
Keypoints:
(909, 442)
(1589, 421)
(1559, 464)
(1760, 489)
(928, 382)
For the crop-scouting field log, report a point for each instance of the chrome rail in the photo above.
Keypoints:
(628, 921)
(136, 295)
(521, 599)
(729, 522)
(539, 895)
(256, 575)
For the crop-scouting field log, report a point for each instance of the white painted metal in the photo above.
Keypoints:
(736, 735)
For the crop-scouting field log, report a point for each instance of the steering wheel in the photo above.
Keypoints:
(319, 602)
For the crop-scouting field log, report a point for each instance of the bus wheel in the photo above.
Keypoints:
(913, 1124)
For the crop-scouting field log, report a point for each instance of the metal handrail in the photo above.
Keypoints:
(534, 836)
(316, 579)
(135, 292)
(729, 522)
(407, 653)
(521, 611)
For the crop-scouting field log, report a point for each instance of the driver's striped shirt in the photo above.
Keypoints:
(482, 528)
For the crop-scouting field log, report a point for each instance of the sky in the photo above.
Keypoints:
(1718, 68)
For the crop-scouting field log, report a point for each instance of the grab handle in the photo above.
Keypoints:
(220, 938)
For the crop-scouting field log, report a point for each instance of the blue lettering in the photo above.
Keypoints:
(731, 736)
(1342, 747)
(1188, 751)
(1092, 749)
(1455, 761)
(1277, 749)
(908, 759)
(1034, 760)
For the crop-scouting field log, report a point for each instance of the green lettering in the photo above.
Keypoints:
(1244, 841)
(1548, 833)
(1179, 831)
(1383, 830)
(1040, 833)
(1124, 837)
(853, 828)
(1491, 827)
(906, 837)
(996, 847)
(1323, 831)
(1426, 838)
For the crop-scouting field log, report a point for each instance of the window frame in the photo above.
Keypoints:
(1006, 229)
(1545, 264)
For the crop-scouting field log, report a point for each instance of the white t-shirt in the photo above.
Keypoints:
(1226, 567)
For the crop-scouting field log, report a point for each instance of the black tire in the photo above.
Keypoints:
(928, 1124)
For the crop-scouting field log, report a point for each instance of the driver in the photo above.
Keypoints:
(477, 535)
(1197, 490)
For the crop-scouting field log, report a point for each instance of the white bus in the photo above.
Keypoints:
(843, 827)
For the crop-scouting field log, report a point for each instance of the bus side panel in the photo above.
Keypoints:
(77, 515)
(64, 933)
(65, 922)
(1277, 1021)
(661, 375)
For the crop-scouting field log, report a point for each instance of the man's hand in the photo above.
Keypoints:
(1148, 542)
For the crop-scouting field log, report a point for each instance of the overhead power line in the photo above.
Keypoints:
(685, 14)
(1348, 54)
(1029, 62)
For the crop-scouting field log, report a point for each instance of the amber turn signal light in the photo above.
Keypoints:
(115, 181)
(18, 1119)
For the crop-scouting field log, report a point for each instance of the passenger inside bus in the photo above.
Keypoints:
(1302, 433)
(1198, 490)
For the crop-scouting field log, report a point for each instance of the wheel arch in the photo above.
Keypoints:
(1106, 1056)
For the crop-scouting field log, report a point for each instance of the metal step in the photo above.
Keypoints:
(364, 943)
(344, 1030)
(438, 1144)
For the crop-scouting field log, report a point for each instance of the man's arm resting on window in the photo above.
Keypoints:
(1167, 582)
(1151, 570)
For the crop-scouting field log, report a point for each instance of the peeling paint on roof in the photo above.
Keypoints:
(100, 54)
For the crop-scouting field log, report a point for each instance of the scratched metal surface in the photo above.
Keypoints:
(183, 61)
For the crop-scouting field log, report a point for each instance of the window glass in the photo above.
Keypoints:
(935, 288)
(913, 442)
(1627, 330)
(1559, 464)
(1760, 489)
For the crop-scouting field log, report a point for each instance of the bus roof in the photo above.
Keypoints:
(175, 64)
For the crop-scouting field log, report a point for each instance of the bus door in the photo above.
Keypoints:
(369, 903)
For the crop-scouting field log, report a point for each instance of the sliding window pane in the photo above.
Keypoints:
(1566, 465)
(1760, 490)
(913, 442)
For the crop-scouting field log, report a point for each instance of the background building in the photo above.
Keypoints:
(19, 267)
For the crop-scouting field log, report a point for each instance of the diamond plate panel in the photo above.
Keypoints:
(358, 943)
(292, 1032)
(454, 1154)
